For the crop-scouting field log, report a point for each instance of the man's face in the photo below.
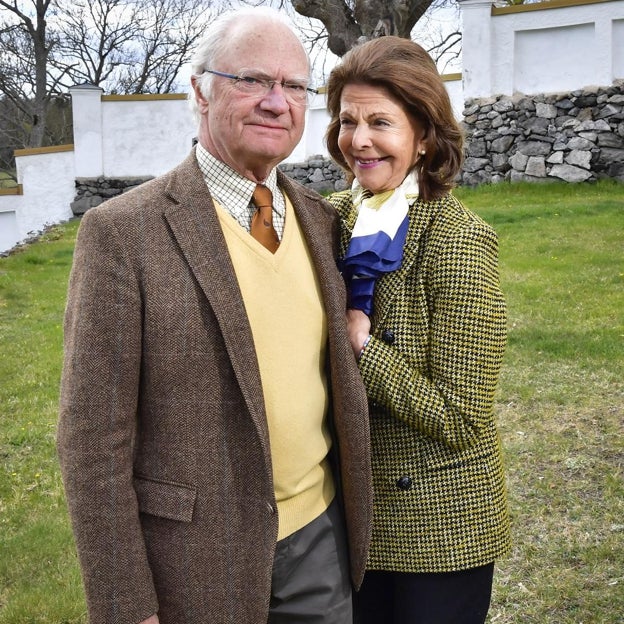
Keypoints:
(252, 133)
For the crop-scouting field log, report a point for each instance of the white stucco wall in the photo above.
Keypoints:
(540, 50)
(47, 180)
(9, 230)
(313, 142)
(87, 124)
(145, 137)
(456, 94)
(566, 57)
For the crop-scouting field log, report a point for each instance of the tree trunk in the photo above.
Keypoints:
(367, 19)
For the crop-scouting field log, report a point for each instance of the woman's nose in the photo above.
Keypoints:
(361, 136)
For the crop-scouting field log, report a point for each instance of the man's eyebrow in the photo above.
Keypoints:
(259, 73)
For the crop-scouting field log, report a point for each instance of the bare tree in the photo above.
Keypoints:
(439, 32)
(330, 28)
(25, 49)
(347, 21)
(129, 46)
(94, 37)
(168, 33)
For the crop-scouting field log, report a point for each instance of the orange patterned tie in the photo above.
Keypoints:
(262, 221)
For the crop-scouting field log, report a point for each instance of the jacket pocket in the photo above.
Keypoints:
(174, 501)
(452, 460)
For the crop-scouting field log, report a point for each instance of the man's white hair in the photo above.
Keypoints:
(214, 43)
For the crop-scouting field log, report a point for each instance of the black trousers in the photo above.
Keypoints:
(405, 598)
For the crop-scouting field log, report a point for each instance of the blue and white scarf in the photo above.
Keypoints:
(377, 240)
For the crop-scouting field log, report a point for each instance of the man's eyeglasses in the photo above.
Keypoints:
(251, 84)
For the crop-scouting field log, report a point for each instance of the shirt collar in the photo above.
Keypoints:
(232, 190)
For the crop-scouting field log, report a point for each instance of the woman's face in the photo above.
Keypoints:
(378, 139)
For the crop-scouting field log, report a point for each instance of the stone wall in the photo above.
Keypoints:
(575, 137)
(91, 192)
(319, 173)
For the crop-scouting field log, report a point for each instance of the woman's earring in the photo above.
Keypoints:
(422, 152)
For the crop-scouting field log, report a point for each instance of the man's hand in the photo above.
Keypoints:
(150, 620)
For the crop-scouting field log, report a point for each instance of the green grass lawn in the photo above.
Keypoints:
(560, 407)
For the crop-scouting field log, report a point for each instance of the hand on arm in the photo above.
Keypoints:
(358, 328)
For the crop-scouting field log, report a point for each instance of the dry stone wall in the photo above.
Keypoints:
(575, 137)
(319, 173)
(91, 192)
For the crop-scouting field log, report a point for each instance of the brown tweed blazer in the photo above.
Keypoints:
(430, 369)
(162, 437)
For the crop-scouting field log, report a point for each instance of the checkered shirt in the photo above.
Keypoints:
(234, 192)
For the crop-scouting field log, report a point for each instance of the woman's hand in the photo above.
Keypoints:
(358, 328)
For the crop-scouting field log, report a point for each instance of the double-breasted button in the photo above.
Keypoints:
(404, 483)
(387, 335)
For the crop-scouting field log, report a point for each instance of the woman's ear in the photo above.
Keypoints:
(421, 150)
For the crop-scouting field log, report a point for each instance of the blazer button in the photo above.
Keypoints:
(404, 483)
(387, 335)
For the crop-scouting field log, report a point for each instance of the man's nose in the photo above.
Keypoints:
(275, 99)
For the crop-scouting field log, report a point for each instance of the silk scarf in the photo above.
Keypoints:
(377, 240)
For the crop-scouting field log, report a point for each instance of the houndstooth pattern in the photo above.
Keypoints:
(430, 369)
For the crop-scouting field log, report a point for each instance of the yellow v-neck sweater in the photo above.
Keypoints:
(283, 301)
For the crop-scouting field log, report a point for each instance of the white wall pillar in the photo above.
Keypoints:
(476, 47)
(604, 68)
(88, 144)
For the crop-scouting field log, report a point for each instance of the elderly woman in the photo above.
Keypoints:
(427, 323)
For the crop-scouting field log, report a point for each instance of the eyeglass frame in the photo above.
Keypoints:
(268, 82)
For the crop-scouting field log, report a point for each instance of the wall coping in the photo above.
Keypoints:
(544, 6)
(31, 151)
(12, 190)
(451, 77)
(144, 97)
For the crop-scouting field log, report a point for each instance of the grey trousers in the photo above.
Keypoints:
(311, 578)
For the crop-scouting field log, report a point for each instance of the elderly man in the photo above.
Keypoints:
(213, 430)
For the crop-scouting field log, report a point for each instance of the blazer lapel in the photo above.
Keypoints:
(321, 245)
(420, 215)
(195, 226)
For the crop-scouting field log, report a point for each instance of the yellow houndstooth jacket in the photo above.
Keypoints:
(430, 369)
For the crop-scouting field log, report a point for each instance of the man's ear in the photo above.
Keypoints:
(200, 99)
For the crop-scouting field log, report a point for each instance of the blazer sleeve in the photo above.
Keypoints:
(440, 379)
(98, 407)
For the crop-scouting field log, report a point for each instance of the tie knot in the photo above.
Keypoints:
(262, 196)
